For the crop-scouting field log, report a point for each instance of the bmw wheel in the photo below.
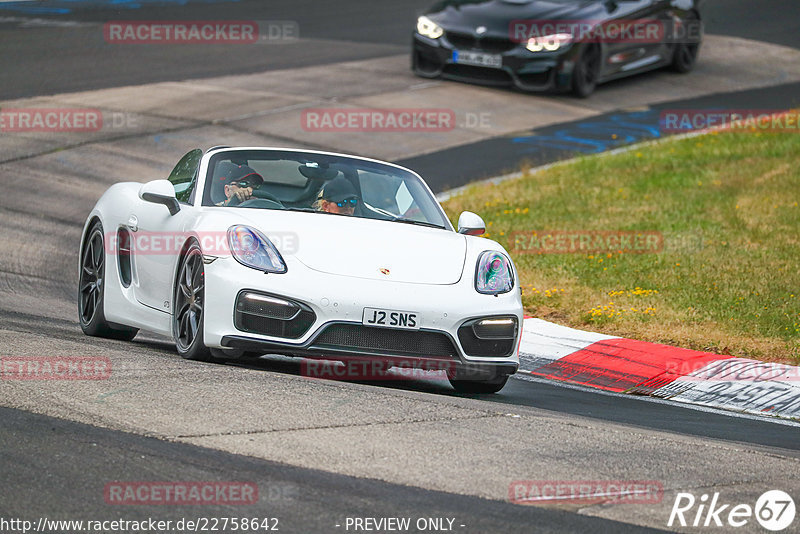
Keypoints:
(685, 54)
(587, 72)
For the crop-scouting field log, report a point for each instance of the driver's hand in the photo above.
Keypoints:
(244, 193)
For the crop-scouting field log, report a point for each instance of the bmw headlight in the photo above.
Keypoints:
(428, 28)
(549, 43)
(493, 273)
(253, 249)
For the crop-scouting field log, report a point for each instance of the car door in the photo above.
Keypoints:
(630, 53)
(158, 236)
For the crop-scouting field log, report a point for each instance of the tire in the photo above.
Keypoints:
(233, 354)
(189, 305)
(91, 290)
(586, 72)
(685, 57)
(479, 386)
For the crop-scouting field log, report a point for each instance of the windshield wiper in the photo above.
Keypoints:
(420, 223)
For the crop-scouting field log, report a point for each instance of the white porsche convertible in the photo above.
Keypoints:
(252, 251)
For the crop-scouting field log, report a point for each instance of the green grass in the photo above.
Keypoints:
(728, 277)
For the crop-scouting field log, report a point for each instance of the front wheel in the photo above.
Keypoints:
(91, 290)
(479, 386)
(587, 72)
(685, 57)
(187, 320)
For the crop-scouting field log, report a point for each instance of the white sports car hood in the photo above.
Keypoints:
(363, 248)
(405, 254)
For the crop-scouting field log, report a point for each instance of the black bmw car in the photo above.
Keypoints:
(561, 45)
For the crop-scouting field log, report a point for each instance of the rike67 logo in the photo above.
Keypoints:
(774, 510)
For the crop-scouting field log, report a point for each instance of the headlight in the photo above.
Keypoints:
(493, 274)
(252, 249)
(549, 43)
(428, 28)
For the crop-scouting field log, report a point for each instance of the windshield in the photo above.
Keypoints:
(319, 183)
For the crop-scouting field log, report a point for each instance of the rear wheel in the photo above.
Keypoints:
(91, 290)
(187, 321)
(587, 72)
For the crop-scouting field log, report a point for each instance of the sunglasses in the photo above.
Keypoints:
(243, 183)
(349, 202)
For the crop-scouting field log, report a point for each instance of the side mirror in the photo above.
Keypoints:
(471, 224)
(160, 192)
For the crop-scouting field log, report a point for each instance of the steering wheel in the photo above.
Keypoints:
(257, 195)
(267, 203)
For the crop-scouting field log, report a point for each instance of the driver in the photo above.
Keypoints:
(239, 181)
(337, 196)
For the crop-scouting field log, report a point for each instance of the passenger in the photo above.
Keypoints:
(337, 196)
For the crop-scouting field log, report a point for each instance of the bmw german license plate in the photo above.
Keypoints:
(390, 318)
(479, 59)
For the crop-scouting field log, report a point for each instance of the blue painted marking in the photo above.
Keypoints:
(597, 136)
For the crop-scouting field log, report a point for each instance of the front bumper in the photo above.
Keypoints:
(332, 308)
(433, 58)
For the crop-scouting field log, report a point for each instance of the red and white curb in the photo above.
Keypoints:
(622, 365)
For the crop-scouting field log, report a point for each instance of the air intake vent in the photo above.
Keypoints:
(268, 315)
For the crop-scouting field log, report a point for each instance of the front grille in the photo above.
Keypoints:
(415, 343)
(269, 318)
(491, 45)
(477, 74)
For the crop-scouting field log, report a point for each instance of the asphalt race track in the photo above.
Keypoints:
(358, 29)
(303, 500)
(319, 451)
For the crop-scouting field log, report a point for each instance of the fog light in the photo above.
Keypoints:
(267, 306)
(495, 328)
